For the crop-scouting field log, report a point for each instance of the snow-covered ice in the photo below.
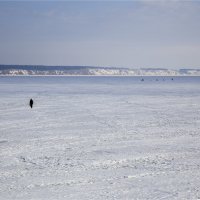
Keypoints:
(99, 138)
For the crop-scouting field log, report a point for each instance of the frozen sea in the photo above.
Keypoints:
(100, 138)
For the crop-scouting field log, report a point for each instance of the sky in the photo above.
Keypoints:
(134, 34)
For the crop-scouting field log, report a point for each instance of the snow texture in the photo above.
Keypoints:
(99, 138)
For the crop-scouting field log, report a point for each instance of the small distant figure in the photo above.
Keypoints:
(172, 79)
(142, 79)
(31, 103)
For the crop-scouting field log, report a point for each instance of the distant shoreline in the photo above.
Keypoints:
(24, 70)
(99, 75)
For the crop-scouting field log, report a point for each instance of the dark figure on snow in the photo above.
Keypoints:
(31, 103)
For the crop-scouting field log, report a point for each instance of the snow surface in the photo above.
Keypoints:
(99, 138)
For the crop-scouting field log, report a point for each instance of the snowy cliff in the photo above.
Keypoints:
(13, 70)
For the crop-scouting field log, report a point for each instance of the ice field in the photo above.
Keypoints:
(100, 138)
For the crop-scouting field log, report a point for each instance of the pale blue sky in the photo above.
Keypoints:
(122, 34)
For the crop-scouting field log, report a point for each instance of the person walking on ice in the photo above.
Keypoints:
(31, 103)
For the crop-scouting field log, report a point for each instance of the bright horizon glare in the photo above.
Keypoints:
(133, 34)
